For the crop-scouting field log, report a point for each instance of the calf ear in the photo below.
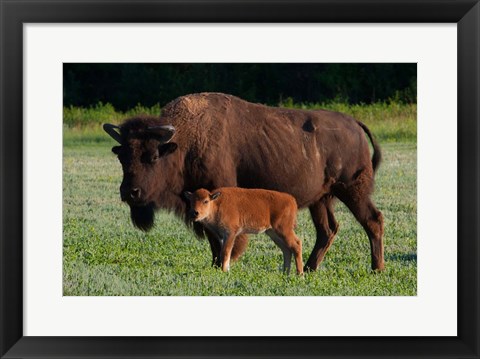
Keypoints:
(215, 195)
(187, 195)
(116, 149)
(166, 149)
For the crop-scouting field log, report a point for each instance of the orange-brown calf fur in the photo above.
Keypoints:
(231, 211)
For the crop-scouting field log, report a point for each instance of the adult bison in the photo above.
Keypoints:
(212, 140)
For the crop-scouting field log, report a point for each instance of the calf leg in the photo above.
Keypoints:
(287, 253)
(326, 227)
(227, 251)
(239, 247)
(295, 245)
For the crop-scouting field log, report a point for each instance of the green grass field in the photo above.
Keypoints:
(105, 255)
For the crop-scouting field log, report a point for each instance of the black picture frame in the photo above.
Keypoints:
(466, 13)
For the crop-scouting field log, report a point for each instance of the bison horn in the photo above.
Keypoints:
(165, 132)
(110, 129)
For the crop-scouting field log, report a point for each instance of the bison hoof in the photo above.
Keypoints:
(308, 269)
(216, 264)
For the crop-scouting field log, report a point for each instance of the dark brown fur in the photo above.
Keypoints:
(231, 211)
(223, 141)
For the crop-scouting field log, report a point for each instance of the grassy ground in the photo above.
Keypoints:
(105, 255)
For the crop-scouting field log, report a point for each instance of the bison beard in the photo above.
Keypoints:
(142, 217)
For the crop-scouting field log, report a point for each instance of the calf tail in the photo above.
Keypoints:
(377, 153)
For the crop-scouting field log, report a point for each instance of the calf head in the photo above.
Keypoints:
(201, 203)
(143, 150)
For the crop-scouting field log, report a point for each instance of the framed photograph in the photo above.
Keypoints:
(196, 97)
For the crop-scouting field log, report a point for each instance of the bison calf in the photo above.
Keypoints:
(230, 211)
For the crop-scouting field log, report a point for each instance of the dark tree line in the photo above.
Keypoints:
(126, 85)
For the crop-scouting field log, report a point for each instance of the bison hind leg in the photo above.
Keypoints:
(357, 198)
(371, 220)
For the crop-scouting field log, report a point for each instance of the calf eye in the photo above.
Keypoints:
(205, 202)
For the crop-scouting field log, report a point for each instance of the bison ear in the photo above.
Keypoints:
(166, 149)
(187, 195)
(215, 195)
(116, 149)
(164, 133)
(111, 130)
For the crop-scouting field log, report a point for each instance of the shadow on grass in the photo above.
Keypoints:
(406, 257)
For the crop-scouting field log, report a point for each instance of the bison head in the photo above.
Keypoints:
(143, 153)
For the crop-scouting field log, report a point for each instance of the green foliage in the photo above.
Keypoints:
(100, 113)
(126, 84)
(103, 254)
(391, 121)
(97, 114)
(154, 110)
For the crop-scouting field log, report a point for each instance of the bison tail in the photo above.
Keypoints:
(377, 153)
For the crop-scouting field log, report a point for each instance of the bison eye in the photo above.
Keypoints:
(148, 158)
(205, 202)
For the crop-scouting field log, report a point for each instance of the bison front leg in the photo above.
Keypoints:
(326, 227)
(215, 247)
